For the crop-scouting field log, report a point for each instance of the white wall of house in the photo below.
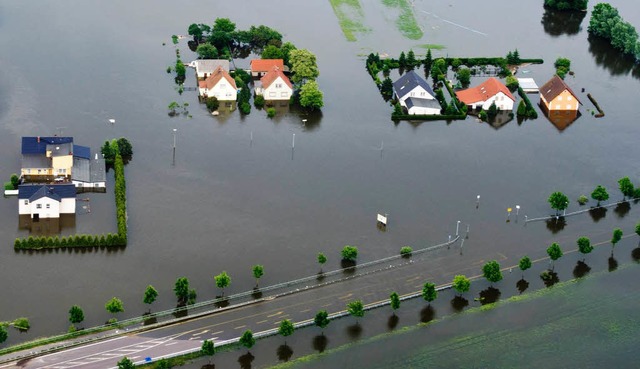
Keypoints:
(416, 92)
(417, 110)
(503, 102)
(45, 207)
(277, 90)
(223, 91)
(90, 184)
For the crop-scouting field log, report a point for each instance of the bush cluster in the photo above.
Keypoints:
(81, 240)
(527, 111)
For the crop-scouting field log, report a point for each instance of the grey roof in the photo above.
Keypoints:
(37, 145)
(528, 84)
(422, 103)
(35, 161)
(408, 82)
(61, 149)
(209, 65)
(89, 171)
(55, 191)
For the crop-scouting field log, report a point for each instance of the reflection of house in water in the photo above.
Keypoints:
(562, 118)
(47, 226)
(501, 119)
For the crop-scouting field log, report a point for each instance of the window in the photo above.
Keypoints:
(284, 94)
(48, 206)
(422, 93)
(558, 107)
(568, 106)
(26, 202)
(278, 85)
(39, 206)
(272, 94)
(568, 98)
(560, 98)
(222, 85)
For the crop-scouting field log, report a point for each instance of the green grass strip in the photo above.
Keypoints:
(350, 17)
(406, 21)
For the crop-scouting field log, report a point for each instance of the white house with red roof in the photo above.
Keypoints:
(489, 92)
(220, 85)
(274, 86)
(260, 67)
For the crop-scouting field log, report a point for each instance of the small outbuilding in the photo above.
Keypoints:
(528, 85)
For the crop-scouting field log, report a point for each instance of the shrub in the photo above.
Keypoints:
(583, 199)
(406, 251)
(482, 115)
(271, 112)
(245, 107)
(512, 83)
(258, 101)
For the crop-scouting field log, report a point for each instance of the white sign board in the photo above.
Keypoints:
(382, 219)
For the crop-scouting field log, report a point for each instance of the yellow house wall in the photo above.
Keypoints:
(62, 162)
(564, 101)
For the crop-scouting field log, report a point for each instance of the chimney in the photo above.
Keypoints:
(38, 139)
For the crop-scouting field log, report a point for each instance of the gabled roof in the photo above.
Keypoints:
(484, 91)
(210, 65)
(81, 152)
(38, 145)
(410, 81)
(554, 87)
(422, 103)
(272, 75)
(53, 191)
(266, 65)
(215, 77)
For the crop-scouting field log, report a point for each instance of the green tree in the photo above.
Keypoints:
(114, 306)
(321, 260)
(626, 187)
(492, 111)
(15, 181)
(411, 60)
(173, 106)
(247, 339)
(207, 51)
(21, 324)
(394, 299)
(584, 246)
(310, 96)
(126, 363)
(271, 52)
(617, 236)
(321, 319)
(386, 88)
(555, 252)
(303, 66)
(208, 348)
(402, 60)
(349, 253)
(522, 109)
(76, 315)
(428, 61)
(258, 271)
(464, 76)
(195, 31)
(212, 103)
(512, 83)
(150, 295)
(224, 25)
(638, 229)
(603, 17)
(563, 66)
(566, 4)
(286, 49)
(286, 329)
(600, 194)
(461, 284)
(429, 292)
(181, 290)
(406, 251)
(222, 280)
(124, 146)
(524, 264)
(356, 308)
(3, 333)
(491, 271)
(558, 201)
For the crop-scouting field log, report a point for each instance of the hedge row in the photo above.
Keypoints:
(108, 240)
(396, 117)
(529, 112)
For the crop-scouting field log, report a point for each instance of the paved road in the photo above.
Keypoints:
(262, 316)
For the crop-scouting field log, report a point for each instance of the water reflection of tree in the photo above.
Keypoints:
(549, 277)
(613, 263)
(284, 352)
(597, 213)
(320, 343)
(354, 331)
(427, 314)
(611, 59)
(558, 23)
(489, 296)
(556, 224)
(622, 209)
(522, 285)
(348, 266)
(246, 360)
(392, 322)
(581, 269)
(635, 254)
(458, 303)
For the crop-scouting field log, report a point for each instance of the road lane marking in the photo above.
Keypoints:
(304, 311)
(345, 296)
(329, 304)
(240, 327)
(276, 314)
(262, 321)
(218, 332)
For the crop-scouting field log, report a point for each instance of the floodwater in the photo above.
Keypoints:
(230, 203)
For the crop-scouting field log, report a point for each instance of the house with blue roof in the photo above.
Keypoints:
(41, 201)
(415, 95)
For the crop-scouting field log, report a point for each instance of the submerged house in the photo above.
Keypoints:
(414, 94)
(260, 67)
(274, 86)
(487, 93)
(555, 95)
(206, 67)
(220, 85)
(41, 201)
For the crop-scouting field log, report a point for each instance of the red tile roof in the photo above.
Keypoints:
(554, 87)
(272, 75)
(483, 92)
(265, 65)
(215, 77)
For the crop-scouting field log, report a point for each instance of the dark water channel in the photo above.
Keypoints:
(228, 204)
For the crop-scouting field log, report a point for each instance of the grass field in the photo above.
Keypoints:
(350, 17)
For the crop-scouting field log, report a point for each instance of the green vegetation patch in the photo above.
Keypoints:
(430, 46)
(350, 17)
(406, 21)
